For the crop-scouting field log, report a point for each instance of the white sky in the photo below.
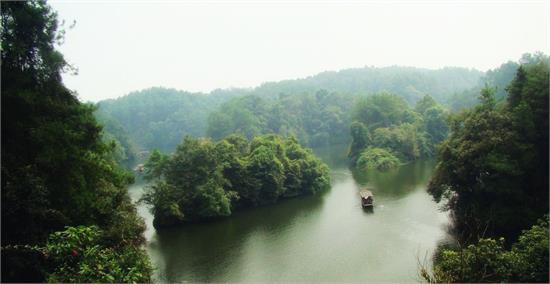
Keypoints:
(200, 46)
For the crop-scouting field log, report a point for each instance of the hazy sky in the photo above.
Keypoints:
(200, 46)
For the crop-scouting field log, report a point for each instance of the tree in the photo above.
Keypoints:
(493, 169)
(489, 261)
(393, 125)
(377, 158)
(435, 124)
(360, 138)
(380, 110)
(316, 119)
(266, 170)
(79, 255)
(56, 170)
(205, 179)
(425, 103)
(155, 165)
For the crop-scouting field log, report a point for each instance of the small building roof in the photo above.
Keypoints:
(365, 193)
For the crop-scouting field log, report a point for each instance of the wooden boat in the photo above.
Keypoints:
(139, 168)
(367, 198)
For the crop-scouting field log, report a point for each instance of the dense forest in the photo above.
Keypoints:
(410, 83)
(159, 118)
(498, 78)
(310, 109)
(315, 109)
(386, 132)
(205, 179)
(66, 214)
(492, 176)
(318, 119)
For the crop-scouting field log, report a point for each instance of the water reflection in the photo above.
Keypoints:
(201, 252)
(396, 182)
(368, 210)
(323, 238)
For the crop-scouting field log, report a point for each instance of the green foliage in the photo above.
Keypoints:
(315, 119)
(380, 110)
(400, 139)
(159, 118)
(386, 121)
(56, 169)
(424, 104)
(79, 255)
(155, 165)
(124, 150)
(205, 179)
(408, 83)
(316, 109)
(530, 254)
(360, 138)
(489, 261)
(499, 78)
(377, 158)
(493, 169)
(435, 124)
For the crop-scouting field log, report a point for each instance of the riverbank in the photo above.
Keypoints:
(326, 237)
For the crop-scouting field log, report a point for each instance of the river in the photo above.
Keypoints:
(323, 238)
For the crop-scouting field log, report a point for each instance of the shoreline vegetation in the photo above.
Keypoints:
(492, 175)
(207, 179)
(67, 215)
(386, 132)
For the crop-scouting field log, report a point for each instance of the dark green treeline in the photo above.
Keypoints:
(492, 176)
(56, 171)
(205, 179)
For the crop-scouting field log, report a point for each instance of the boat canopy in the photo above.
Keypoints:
(365, 193)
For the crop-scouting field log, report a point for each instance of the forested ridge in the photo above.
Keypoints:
(317, 119)
(66, 165)
(159, 118)
(313, 109)
(411, 83)
(298, 107)
(498, 78)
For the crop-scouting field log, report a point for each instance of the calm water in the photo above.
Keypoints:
(322, 238)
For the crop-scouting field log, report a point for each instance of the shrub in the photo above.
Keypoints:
(377, 158)
(79, 255)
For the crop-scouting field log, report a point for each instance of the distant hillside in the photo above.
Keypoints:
(409, 83)
(159, 117)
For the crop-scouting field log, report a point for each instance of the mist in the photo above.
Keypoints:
(201, 46)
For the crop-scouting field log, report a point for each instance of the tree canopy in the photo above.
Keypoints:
(205, 179)
(56, 170)
(314, 119)
(385, 124)
(493, 170)
(315, 109)
(488, 260)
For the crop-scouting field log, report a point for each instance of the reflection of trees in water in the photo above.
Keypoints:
(334, 156)
(396, 182)
(202, 252)
(210, 251)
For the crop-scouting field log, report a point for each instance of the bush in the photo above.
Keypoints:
(489, 261)
(377, 158)
(79, 255)
(205, 179)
